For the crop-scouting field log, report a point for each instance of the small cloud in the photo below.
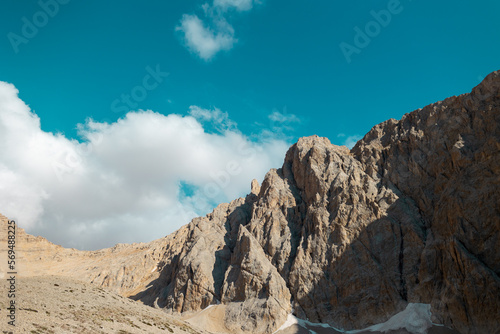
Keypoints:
(278, 117)
(350, 141)
(281, 122)
(239, 5)
(281, 125)
(212, 33)
(206, 41)
(217, 118)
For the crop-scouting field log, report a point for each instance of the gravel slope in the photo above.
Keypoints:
(54, 304)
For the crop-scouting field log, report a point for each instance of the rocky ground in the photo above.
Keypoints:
(54, 304)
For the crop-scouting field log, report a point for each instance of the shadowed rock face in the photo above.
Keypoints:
(410, 215)
(446, 158)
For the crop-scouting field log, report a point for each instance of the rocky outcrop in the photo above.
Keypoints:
(410, 215)
(257, 296)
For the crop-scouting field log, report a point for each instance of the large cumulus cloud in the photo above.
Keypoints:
(137, 179)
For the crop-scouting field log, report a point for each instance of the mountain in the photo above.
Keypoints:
(350, 238)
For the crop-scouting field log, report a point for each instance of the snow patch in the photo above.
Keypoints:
(416, 319)
(217, 302)
(206, 308)
(290, 321)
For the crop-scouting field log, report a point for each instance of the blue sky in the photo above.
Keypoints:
(268, 71)
(287, 58)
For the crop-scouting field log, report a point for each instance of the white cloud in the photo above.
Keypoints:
(240, 5)
(349, 141)
(206, 41)
(219, 119)
(283, 118)
(123, 181)
(281, 125)
(208, 36)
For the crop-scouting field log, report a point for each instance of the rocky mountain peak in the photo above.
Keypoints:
(342, 237)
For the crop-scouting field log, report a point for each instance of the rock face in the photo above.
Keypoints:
(410, 215)
(446, 158)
